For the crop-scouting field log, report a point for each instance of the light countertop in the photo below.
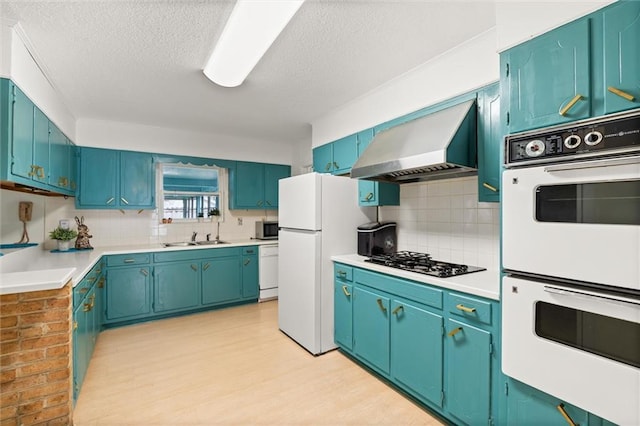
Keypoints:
(33, 269)
(483, 283)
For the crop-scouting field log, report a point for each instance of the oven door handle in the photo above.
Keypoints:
(565, 292)
(594, 164)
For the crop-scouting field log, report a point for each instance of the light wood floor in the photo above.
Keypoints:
(230, 366)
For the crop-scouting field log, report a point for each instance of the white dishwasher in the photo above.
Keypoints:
(268, 271)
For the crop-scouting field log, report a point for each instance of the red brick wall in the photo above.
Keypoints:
(35, 358)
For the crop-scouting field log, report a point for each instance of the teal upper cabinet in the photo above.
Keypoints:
(272, 174)
(255, 185)
(621, 28)
(112, 179)
(137, 180)
(490, 135)
(323, 158)
(98, 178)
(336, 157)
(42, 147)
(59, 158)
(548, 78)
(587, 68)
(34, 151)
(345, 154)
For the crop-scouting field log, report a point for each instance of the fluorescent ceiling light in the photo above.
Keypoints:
(251, 29)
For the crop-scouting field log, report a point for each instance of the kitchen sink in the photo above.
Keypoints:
(194, 243)
(180, 244)
(212, 242)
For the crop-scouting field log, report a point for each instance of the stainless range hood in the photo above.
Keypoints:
(437, 146)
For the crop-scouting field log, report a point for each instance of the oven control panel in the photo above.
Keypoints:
(602, 136)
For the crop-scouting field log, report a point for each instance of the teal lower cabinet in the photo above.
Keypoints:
(250, 273)
(166, 283)
(221, 280)
(343, 307)
(371, 328)
(176, 286)
(436, 345)
(128, 292)
(87, 322)
(468, 371)
(416, 350)
(529, 406)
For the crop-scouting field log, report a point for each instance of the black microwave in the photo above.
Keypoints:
(267, 230)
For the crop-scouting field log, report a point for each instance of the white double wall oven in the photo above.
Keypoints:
(571, 249)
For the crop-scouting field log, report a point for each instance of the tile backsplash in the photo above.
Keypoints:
(111, 227)
(445, 219)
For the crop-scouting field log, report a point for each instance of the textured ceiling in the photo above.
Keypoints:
(141, 61)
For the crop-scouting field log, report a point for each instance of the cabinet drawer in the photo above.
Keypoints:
(173, 256)
(343, 273)
(81, 290)
(403, 288)
(469, 308)
(128, 259)
(250, 250)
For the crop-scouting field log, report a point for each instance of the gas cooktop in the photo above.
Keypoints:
(422, 263)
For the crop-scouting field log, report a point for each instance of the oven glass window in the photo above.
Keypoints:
(610, 337)
(614, 203)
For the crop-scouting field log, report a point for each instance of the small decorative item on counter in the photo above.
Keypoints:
(82, 242)
(64, 237)
(25, 208)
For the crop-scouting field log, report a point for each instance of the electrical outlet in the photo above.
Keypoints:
(240, 221)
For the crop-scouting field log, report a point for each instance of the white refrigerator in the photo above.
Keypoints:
(318, 216)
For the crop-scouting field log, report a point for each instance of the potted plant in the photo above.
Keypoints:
(64, 237)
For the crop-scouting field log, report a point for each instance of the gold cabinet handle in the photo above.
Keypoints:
(206, 266)
(144, 272)
(454, 331)
(327, 167)
(342, 273)
(87, 307)
(40, 171)
(247, 261)
(129, 260)
(259, 202)
(489, 187)
(622, 94)
(33, 171)
(75, 325)
(194, 267)
(465, 309)
(566, 415)
(91, 279)
(124, 200)
(369, 196)
(345, 291)
(570, 105)
(269, 203)
(381, 306)
(84, 290)
(335, 165)
(397, 310)
(110, 200)
(101, 283)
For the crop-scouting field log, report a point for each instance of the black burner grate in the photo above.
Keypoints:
(422, 263)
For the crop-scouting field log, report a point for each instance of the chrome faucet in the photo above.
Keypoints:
(193, 236)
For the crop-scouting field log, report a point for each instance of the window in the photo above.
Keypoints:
(191, 192)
